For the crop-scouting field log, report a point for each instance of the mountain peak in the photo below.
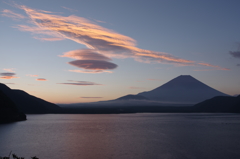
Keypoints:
(185, 76)
(182, 89)
(3, 86)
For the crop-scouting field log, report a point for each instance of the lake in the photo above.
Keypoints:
(124, 136)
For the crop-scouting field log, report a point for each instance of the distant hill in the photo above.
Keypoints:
(183, 89)
(179, 95)
(132, 97)
(219, 104)
(8, 110)
(29, 104)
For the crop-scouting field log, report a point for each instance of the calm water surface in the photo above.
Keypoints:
(126, 136)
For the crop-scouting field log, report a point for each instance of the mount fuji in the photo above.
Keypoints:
(183, 89)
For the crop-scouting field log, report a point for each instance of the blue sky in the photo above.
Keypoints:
(91, 50)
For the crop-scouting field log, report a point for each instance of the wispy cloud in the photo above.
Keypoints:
(107, 42)
(49, 39)
(238, 64)
(33, 85)
(30, 75)
(90, 97)
(42, 34)
(136, 87)
(9, 69)
(214, 66)
(70, 9)
(235, 54)
(90, 71)
(7, 75)
(41, 79)
(152, 79)
(80, 83)
(11, 14)
(9, 83)
(204, 70)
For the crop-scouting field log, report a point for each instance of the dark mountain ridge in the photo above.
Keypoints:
(219, 104)
(132, 97)
(8, 110)
(179, 90)
(29, 104)
(179, 95)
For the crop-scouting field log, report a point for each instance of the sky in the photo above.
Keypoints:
(79, 51)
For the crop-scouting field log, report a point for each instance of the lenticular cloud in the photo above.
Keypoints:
(103, 44)
(7, 75)
(93, 64)
(86, 54)
(90, 61)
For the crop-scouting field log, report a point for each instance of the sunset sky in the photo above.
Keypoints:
(93, 50)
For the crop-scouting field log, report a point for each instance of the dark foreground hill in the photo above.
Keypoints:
(29, 104)
(219, 104)
(8, 110)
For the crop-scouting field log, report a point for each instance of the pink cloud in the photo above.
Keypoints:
(8, 75)
(49, 39)
(107, 42)
(41, 79)
(70, 9)
(90, 97)
(90, 71)
(136, 88)
(33, 85)
(11, 14)
(205, 70)
(217, 67)
(89, 61)
(32, 75)
(9, 83)
(9, 69)
(93, 36)
(46, 34)
(86, 54)
(93, 64)
(151, 79)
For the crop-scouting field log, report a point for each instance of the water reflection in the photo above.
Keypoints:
(167, 136)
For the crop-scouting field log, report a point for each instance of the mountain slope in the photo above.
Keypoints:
(182, 89)
(29, 104)
(8, 110)
(219, 104)
(132, 97)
